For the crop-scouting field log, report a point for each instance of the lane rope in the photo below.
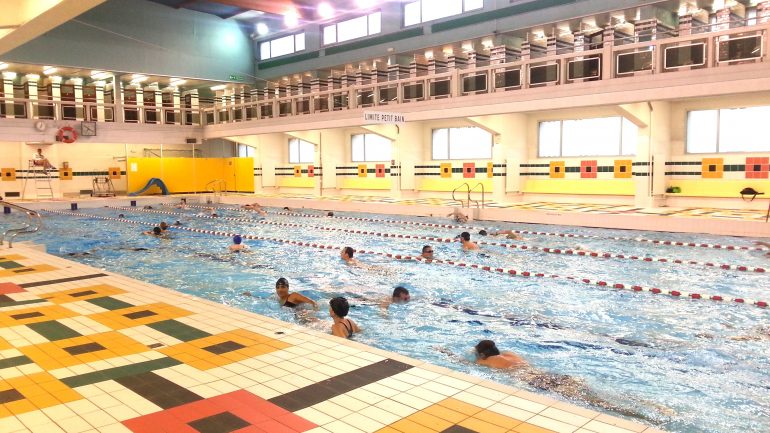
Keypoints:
(401, 257)
(563, 251)
(525, 232)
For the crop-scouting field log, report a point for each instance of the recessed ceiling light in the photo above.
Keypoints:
(219, 87)
(325, 10)
(3, 65)
(291, 18)
(262, 29)
(48, 70)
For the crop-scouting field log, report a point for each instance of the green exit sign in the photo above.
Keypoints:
(235, 78)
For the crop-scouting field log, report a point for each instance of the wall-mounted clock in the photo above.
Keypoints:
(88, 129)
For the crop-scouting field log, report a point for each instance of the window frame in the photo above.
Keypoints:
(294, 41)
(299, 152)
(369, 32)
(718, 132)
(365, 159)
(620, 137)
(463, 10)
(449, 145)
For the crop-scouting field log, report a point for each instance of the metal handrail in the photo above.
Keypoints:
(216, 186)
(482, 195)
(468, 188)
(28, 228)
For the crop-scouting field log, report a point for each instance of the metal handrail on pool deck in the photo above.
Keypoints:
(10, 234)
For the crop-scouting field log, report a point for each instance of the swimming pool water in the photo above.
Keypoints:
(685, 357)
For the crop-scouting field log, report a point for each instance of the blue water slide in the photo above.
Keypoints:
(150, 183)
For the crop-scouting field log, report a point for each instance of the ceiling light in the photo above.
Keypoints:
(3, 65)
(291, 18)
(100, 75)
(9, 75)
(325, 10)
(177, 82)
(138, 78)
(48, 70)
(219, 87)
(262, 29)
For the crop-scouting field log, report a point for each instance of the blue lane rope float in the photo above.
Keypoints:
(507, 271)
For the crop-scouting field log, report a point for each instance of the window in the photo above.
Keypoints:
(281, 46)
(462, 143)
(353, 28)
(602, 136)
(301, 151)
(245, 151)
(370, 147)
(729, 130)
(428, 10)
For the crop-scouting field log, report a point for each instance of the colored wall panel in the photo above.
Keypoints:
(580, 186)
(717, 187)
(490, 169)
(588, 169)
(380, 170)
(623, 169)
(362, 170)
(469, 170)
(9, 174)
(297, 170)
(295, 182)
(449, 184)
(712, 168)
(557, 170)
(757, 168)
(192, 174)
(65, 174)
(310, 171)
(114, 172)
(365, 183)
(446, 169)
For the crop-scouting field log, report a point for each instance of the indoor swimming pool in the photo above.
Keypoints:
(687, 365)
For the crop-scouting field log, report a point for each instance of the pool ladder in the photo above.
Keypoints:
(34, 224)
(468, 191)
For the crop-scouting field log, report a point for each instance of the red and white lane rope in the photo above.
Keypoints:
(525, 232)
(563, 251)
(401, 257)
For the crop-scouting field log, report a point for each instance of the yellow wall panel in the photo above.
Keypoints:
(295, 182)
(146, 168)
(365, 183)
(718, 187)
(581, 186)
(192, 174)
(9, 174)
(448, 184)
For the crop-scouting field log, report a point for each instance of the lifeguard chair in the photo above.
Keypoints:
(38, 173)
(102, 187)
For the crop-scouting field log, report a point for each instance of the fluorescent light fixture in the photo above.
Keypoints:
(177, 82)
(138, 78)
(219, 87)
(48, 70)
(291, 18)
(325, 10)
(9, 75)
(33, 77)
(3, 66)
(262, 29)
(100, 75)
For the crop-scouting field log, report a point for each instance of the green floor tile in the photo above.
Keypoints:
(15, 361)
(118, 372)
(178, 330)
(110, 303)
(53, 330)
(10, 265)
(15, 303)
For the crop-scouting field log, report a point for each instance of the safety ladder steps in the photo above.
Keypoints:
(42, 180)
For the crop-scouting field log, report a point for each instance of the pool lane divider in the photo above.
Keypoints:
(525, 232)
(563, 251)
(401, 257)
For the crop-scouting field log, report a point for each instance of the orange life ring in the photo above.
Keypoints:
(67, 134)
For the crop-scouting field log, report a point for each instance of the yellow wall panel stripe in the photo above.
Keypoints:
(581, 186)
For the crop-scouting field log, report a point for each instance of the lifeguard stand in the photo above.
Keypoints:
(43, 187)
(102, 187)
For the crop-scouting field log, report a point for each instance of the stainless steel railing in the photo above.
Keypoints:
(34, 224)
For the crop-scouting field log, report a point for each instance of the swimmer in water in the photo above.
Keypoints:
(163, 226)
(400, 296)
(288, 299)
(465, 239)
(488, 355)
(156, 231)
(347, 255)
(342, 327)
(763, 244)
(509, 234)
(427, 253)
(458, 216)
(237, 245)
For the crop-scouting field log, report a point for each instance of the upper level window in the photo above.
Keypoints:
(245, 151)
(729, 130)
(353, 28)
(370, 147)
(281, 46)
(421, 11)
(602, 136)
(462, 143)
(301, 151)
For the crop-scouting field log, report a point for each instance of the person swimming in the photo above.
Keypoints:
(291, 300)
(156, 231)
(237, 245)
(465, 239)
(342, 327)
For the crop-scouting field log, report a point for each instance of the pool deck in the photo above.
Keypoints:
(84, 350)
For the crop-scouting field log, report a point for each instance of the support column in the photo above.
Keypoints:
(8, 78)
(99, 93)
(77, 85)
(30, 82)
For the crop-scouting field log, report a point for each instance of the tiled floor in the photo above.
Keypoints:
(86, 351)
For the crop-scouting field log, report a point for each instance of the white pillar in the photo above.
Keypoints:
(77, 85)
(8, 78)
(30, 81)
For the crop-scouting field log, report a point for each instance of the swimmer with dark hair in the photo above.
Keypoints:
(427, 252)
(347, 255)
(465, 239)
(342, 327)
(156, 231)
(147, 207)
(120, 215)
(237, 245)
(288, 299)
(458, 216)
(330, 214)
(400, 295)
(163, 226)
(178, 223)
(488, 355)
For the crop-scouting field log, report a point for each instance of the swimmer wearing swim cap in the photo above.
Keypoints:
(237, 244)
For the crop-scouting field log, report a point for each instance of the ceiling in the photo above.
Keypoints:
(246, 8)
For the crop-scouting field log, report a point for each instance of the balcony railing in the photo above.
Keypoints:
(617, 59)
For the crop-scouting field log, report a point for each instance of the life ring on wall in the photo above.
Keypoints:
(67, 134)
